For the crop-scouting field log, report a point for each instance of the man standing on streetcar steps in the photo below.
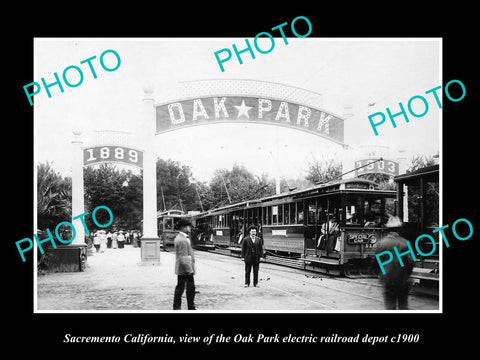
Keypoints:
(184, 266)
(252, 251)
(395, 279)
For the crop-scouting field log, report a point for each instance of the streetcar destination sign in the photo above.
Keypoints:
(205, 110)
(388, 167)
(111, 153)
(361, 238)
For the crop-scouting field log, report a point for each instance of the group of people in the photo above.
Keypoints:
(252, 251)
(394, 280)
(116, 240)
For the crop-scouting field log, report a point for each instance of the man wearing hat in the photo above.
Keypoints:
(184, 266)
(252, 250)
(395, 279)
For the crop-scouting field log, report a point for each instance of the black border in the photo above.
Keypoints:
(45, 332)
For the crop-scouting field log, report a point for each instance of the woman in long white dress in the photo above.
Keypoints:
(114, 240)
(103, 241)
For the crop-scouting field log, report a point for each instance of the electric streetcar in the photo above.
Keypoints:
(333, 228)
(167, 222)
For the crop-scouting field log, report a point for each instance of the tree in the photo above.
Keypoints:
(54, 205)
(174, 187)
(238, 185)
(54, 194)
(205, 196)
(132, 215)
(419, 162)
(323, 171)
(120, 191)
(432, 193)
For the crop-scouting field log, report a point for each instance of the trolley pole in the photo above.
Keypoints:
(226, 189)
(199, 199)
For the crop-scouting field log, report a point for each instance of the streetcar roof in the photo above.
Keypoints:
(172, 213)
(430, 173)
(294, 193)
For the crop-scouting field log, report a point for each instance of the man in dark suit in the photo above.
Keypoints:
(252, 251)
(184, 266)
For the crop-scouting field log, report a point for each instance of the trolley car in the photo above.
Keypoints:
(418, 207)
(331, 228)
(168, 226)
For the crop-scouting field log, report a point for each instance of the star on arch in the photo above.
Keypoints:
(243, 109)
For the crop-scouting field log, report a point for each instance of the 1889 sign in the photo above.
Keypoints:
(109, 153)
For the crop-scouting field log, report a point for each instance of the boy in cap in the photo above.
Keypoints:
(184, 266)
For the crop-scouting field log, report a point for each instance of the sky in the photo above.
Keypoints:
(349, 74)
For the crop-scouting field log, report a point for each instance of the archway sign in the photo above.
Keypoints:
(204, 110)
(98, 154)
(112, 153)
(116, 150)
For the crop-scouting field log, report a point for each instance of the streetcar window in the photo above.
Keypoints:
(280, 214)
(311, 214)
(293, 212)
(220, 221)
(168, 224)
(240, 219)
(335, 210)
(321, 215)
(267, 215)
(299, 213)
(175, 223)
(372, 208)
(255, 216)
(353, 211)
(233, 222)
(389, 209)
(286, 214)
(274, 215)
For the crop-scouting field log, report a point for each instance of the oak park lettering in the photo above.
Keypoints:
(203, 110)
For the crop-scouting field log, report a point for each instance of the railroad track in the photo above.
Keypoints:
(311, 282)
(415, 289)
(278, 260)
